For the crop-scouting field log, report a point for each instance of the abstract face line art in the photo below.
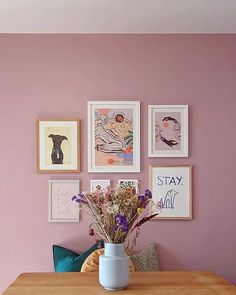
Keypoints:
(168, 131)
(57, 154)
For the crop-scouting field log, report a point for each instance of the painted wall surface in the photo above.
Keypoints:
(55, 75)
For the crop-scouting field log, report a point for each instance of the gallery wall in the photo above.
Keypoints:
(54, 76)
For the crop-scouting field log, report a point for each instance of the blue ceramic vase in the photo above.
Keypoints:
(114, 267)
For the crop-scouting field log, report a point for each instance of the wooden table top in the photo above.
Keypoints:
(145, 283)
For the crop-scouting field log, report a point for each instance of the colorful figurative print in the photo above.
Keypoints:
(167, 131)
(172, 191)
(113, 137)
(58, 145)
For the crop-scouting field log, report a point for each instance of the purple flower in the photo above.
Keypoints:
(122, 221)
(148, 193)
(79, 199)
(141, 198)
(124, 227)
(73, 198)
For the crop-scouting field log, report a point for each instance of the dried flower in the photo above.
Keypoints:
(148, 193)
(112, 208)
(116, 213)
(91, 232)
(140, 210)
(141, 198)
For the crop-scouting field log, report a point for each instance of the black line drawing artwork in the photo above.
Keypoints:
(57, 155)
(169, 200)
(176, 131)
(127, 184)
(112, 143)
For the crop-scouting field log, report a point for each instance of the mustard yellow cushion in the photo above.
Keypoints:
(92, 262)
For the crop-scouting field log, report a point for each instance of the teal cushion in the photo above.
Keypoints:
(66, 260)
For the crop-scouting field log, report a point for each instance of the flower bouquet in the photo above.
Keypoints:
(116, 215)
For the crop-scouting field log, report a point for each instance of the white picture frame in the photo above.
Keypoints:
(125, 183)
(114, 136)
(101, 184)
(171, 188)
(61, 208)
(168, 131)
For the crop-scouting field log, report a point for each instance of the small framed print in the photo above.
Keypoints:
(167, 131)
(99, 185)
(61, 208)
(114, 136)
(171, 188)
(128, 183)
(58, 145)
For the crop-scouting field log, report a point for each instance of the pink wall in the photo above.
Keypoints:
(55, 76)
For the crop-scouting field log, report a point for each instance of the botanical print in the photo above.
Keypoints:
(128, 183)
(62, 208)
(171, 191)
(58, 145)
(99, 185)
(113, 137)
(167, 131)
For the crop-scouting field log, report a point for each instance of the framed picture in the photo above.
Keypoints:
(114, 136)
(167, 131)
(58, 144)
(128, 183)
(171, 187)
(99, 184)
(60, 206)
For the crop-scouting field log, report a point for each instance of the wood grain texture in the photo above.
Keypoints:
(153, 283)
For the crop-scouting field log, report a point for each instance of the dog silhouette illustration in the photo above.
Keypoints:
(169, 200)
(57, 154)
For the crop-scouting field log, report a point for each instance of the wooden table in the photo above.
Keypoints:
(146, 283)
